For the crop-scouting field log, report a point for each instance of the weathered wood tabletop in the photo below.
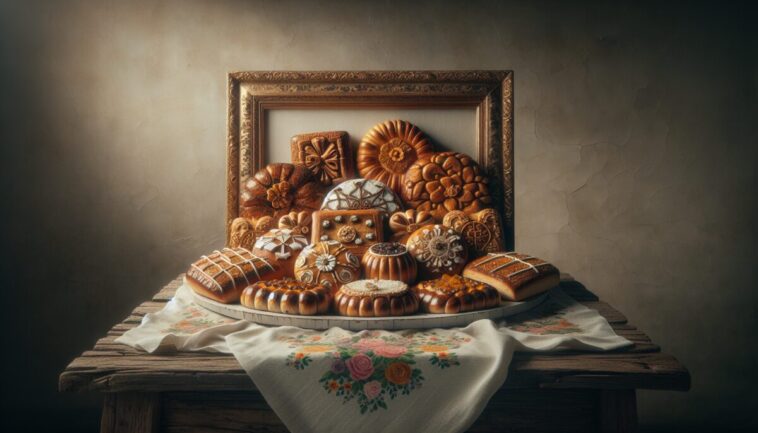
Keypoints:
(159, 385)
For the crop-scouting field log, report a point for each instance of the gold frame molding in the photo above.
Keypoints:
(251, 94)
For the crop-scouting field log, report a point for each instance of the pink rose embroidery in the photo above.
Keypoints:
(389, 351)
(372, 389)
(360, 367)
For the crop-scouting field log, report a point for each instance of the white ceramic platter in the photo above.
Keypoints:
(417, 321)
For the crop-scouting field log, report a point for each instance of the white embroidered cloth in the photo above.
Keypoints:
(376, 381)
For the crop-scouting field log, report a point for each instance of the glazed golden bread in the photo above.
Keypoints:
(389, 261)
(222, 275)
(516, 276)
(287, 296)
(375, 298)
(450, 294)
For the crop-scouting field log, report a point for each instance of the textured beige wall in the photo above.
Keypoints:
(635, 161)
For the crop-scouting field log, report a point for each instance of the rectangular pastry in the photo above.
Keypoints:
(326, 154)
(223, 275)
(516, 276)
(357, 229)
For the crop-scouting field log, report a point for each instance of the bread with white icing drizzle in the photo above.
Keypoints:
(222, 275)
(516, 276)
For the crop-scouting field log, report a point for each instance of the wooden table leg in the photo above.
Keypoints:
(130, 412)
(618, 411)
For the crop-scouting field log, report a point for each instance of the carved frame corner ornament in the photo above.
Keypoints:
(251, 94)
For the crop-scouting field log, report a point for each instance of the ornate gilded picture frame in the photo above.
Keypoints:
(489, 93)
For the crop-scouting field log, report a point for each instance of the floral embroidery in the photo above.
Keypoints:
(546, 320)
(194, 320)
(374, 366)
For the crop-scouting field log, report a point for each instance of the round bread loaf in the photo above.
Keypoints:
(450, 294)
(287, 296)
(438, 250)
(375, 298)
(389, 149)
(280, 247)
(389, 261)
(278, 189)
(328, 263)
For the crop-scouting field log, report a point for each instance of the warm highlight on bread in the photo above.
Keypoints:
(222, 275)
(516, 276)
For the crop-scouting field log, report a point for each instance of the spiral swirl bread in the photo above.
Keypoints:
(287, 296)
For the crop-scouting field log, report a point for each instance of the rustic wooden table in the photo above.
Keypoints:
(193, 392)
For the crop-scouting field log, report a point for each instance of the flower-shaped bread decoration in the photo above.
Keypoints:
(445, 182)
(298, 222)
(438, 250)
(326, 154)
(279, 189)
(243, 231)
(389, 149)
(403, 224)
(328, 263)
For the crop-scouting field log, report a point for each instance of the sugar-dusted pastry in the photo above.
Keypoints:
(287, 296)
(446, 181)
(516, 276)
(356, 229)
(279, 189)
(450, 294)
(244, 231)
(389, 149)
(389, 261)
(281, 247)
(404, 223)
(298, 222)
(326, 154)
(438, 250)
(328, 263)
(481, 230)
(362, 194)
(375, 298)
(223, 274)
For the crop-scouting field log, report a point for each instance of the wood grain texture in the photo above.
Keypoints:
(113, 367)
(129, 412)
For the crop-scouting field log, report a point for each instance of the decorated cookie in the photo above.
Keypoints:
(326, 154)
(445, 182)
(328, 263)
(389, 261)
(281, 247)
(375, 298)
(389, 149)
(404, 223)
(278, 190)
(481, 230)
(438, 250)
(287, 296)
(356, 229)
(362, 194)
(298, 222)
(516, 276)
(450, 294)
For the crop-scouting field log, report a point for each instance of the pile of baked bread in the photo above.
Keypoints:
(416, 232)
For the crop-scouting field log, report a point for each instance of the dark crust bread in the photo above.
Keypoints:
(452, 294)
(222, 275)
(287, 296)
(516, 276)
